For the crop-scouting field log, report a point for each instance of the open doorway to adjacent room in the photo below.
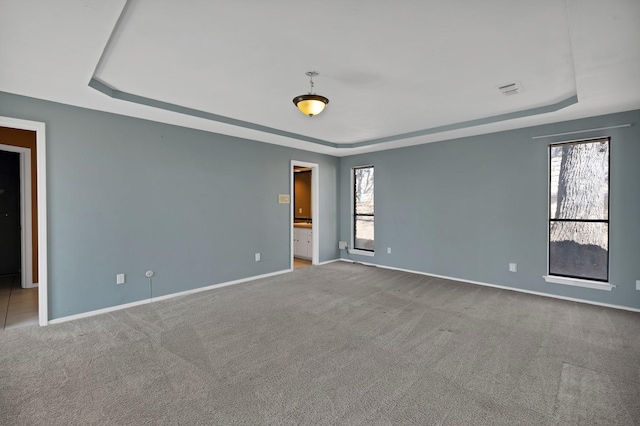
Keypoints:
(304, 214)
(18, 294)
(23, 294)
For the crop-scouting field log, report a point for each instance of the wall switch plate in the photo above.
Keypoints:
(637, 284)
(300, 210)
(284, 198)
(120, 279)
(342, 245)
(257, 257)
(388, 250)
(513, 267)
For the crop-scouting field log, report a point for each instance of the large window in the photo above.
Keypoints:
(363, 208)
(579, 210)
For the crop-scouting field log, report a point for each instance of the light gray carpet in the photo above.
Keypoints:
(339, 344)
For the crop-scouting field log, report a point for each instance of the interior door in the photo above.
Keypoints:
(10, 238)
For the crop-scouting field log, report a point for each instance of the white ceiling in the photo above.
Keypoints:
(397, 73)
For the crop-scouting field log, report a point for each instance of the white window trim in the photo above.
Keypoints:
(556, 279)
(362, 252)
(576, 282)
(353, 218)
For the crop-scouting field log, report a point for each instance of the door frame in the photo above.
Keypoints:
(26, 243)
(315, 209)
(41, 184)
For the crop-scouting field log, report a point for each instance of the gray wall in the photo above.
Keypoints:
(465, 208)
(128, 195)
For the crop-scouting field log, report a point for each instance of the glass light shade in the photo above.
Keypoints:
(310, 104)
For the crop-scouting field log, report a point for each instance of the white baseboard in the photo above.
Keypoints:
(537, 293)
(329, 261)
(160, 298)
(98, 312)
(214, 286)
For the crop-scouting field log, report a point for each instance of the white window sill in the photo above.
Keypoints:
(577, 282)
(362, 252)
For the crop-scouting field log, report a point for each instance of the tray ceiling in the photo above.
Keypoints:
(396, 73)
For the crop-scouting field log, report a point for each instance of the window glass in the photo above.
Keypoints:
(363, 210)
(579, 210)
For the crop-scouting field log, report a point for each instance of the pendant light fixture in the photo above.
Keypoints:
(311, 104)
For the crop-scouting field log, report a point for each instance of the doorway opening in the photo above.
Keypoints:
(27, 139)
(304, 215)
(18, 297)
(17, 214)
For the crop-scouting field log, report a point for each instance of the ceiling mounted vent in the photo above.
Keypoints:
(511, 88)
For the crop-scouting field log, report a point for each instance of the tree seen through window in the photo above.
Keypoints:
(363, 215)
(579, 210)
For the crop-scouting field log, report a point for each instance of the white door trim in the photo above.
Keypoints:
(315, 209)
(26, 249)
(40, 129)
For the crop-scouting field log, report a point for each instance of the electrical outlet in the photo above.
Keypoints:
(120, 279)
(257, 257)
(513, 267)
(342, 245)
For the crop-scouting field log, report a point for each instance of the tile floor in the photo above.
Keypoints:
(300, 263)
(18, 306)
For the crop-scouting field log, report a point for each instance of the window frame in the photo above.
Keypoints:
(593, 283)
(354, 249)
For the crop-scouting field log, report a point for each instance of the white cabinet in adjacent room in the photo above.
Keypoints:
(303, 242)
